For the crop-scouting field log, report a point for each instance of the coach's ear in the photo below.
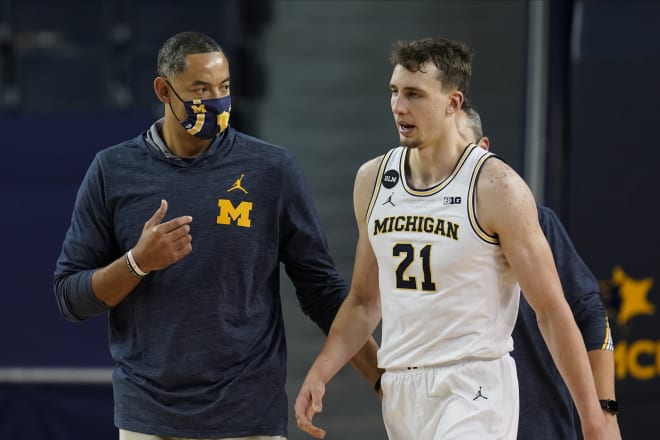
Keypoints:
(162, 90)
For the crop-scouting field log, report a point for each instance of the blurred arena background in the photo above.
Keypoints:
(568, 91)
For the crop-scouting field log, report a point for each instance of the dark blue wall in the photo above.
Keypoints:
(44, 159)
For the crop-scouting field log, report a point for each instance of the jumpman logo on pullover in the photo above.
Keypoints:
(237, 185)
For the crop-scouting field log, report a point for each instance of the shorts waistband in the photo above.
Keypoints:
(413, 368)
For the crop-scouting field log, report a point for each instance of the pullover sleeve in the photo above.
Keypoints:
(304, 251)
(578, 282)
(88, 244)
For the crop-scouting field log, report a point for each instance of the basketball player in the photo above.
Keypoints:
(547, 411)
(447, 236)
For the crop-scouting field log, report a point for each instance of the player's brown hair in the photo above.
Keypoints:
(452, 58)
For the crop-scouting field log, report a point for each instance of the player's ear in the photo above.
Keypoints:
(455, 102)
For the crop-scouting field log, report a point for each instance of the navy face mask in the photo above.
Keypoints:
(206, 117)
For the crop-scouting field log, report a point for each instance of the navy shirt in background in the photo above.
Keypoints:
(547, 411)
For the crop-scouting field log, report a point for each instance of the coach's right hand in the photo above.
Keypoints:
(163, 244)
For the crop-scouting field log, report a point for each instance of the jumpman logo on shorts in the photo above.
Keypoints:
(237, 185)
(389, 200)
(479, 395)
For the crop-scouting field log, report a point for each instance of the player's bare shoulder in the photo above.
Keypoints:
(502, 195)
(365, 177)
(364, 184)
(498, 178)
(368, 170)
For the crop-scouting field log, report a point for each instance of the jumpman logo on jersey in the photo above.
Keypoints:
(389, 200)
(479, 395)
(237, 185)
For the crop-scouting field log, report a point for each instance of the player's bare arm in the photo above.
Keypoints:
(365, 361)
(159, 245)
(506, 208)
(356, 319)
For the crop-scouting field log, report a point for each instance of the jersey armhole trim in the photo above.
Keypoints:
(376, 188)
(472, 203)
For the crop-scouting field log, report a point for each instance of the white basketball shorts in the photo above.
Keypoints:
(469, 400)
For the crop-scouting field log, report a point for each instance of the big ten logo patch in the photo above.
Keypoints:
(628, 299)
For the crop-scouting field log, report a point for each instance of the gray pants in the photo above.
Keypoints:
(130, 435)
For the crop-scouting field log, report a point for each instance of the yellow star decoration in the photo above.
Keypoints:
(633, 295)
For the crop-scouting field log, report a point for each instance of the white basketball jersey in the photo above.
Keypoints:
(447, 292)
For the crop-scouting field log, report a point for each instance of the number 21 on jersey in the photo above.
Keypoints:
(408, 253)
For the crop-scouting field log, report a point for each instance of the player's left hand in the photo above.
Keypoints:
(309, 403)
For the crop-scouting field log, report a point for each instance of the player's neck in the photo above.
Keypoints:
(429, 165)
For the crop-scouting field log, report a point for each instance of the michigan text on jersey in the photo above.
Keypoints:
(416, 223)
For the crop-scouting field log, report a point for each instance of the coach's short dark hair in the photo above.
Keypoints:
(172, 54)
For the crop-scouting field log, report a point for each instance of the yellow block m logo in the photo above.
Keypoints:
(239, 214)
(198, 108)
